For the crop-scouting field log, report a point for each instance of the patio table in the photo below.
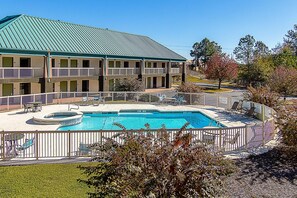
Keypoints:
(36, 106)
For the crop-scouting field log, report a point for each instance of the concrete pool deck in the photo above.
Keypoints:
(18, 120)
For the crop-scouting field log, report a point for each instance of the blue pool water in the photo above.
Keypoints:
(137, 120)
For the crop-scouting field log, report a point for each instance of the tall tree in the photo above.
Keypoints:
(291, 39)
(221, 67)
(261, 50)
(284, 56)
(202, 51)
(244, 52)
(251, 54)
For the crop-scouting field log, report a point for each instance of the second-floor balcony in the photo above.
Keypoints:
(123, 71)
(154, 71)
(74, 72)
(175, 70)
(20, 72)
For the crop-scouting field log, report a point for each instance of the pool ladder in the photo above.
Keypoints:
(75, 108)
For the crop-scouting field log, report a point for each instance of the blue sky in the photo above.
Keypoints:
(177, 24)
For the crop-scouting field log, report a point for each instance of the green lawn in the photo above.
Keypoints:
(44, 180)
(195, 79)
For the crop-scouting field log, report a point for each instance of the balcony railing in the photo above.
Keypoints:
(154, 71)
(73, 72)
(175, 71)
(20, 72)
(123, 71)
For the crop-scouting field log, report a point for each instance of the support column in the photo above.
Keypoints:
(184, 72)
(103, 78)
(168, 76)
(142, 71)
(46, 84)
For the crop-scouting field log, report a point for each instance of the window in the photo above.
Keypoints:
(100, 64)
(73, 63)
(137, 64)
(63, 86)
(25, 62)
(118, 63)
(163, 65)
(86, 63)
(155, 65)
(148, 64)
(110, 63)
(126, 64)
(7, 62)
(25, 88)
(64, 63)
(53, 62)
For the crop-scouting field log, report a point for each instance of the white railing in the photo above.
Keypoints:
(175, 70)
(67, 143)
(154, 71)
(71, 72)
(20, 72)
(123, 71)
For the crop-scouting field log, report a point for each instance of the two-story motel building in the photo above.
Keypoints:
(39, 55)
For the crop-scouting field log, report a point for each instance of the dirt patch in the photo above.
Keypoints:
(272, 174)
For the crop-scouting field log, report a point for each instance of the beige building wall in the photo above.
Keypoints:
(35, 88)
(93, 85)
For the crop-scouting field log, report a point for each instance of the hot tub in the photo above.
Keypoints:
(63, 118)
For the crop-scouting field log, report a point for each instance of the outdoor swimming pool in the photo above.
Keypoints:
(137, 120)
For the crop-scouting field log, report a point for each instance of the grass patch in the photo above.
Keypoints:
(194, 79)
(43, 180)
(216, 90)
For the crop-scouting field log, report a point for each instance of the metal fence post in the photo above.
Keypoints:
(69, 144)
(36, 145)
(191, 99)
(3, 148)
(245, 138)
(263, 133)
(220, 140)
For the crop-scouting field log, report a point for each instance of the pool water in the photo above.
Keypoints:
(137, 120)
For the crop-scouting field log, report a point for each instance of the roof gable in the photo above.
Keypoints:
(39, 34)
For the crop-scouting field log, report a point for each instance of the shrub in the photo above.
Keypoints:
(287, 123)
(129, 84)
(146, 98)
(262, 95)
(188, 88)
(149, 164)
(284, 81)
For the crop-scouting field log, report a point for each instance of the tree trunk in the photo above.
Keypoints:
(220, 81)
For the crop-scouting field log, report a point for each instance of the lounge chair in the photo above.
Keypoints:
(250, 112)
(180, 100)
(27, 144)
(234, 107)
(231, 140)
(97, 100)
(84, 150)
(84, 101)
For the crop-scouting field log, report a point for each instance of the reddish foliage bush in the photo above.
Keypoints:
(188, 88)
(147, 164)
(262, 95)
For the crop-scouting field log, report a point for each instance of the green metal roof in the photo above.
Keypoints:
(34, 35)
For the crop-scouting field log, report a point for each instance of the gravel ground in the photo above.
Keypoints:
(271, 174)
